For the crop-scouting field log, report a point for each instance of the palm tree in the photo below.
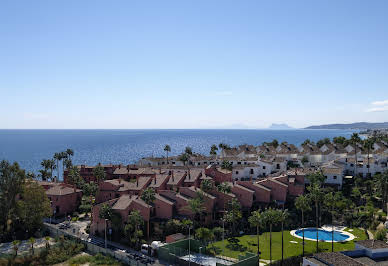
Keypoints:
(57, 157)
(368, 145)
(330, 203)
(271, 217)
(69, 153)
(302, 203)
(15, 246)
(381, 185)
(148, 196)
(32, 242)
(167, 149)
(63, 158)
(315, 194)
(196, 206)
(99, 173)
(355, 140)
(234, 213)
(213, 149)
(256, 220)
(189, 150)
(283, 215)
(207, 185)
(224, 188)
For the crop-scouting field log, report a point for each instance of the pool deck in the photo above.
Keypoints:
(325, 228)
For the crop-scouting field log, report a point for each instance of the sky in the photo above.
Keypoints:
(192, 64)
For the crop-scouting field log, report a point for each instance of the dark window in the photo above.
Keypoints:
(335, 177)
(263, 167)
(236, 172)
(238, 162)
(251, 171)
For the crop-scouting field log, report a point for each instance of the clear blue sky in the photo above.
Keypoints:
(192, 64)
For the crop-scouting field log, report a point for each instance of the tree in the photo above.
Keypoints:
(283, 216)
(255, 220)
(322, 142)
(90, 189)
(57, 158)
(47, 239)
(368, 145)
(167, 149)
(69, 153)
(63, 158)
(226, 165)
(15, 246)
(196, 206)
(49, 166)
(213, 149)
(275, 143)
(189, 150)
(339, 140)
(12, 178)
(148, 196)
(234, 213)
(33, 206)
(302, 203)
(224, 188)
(381, 186)
(330, 201)
(133, 228)
(355, 140)
(207, 185)
(75, 178)
(224, 146)
(204, 234)
(184, 158)
(316, 178)
(99, 173)
(307, 141)
(271, 217)
(305, 160)
(105, 212)
(32, 242)
(315, 194)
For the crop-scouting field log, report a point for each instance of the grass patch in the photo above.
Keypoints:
(98, 259)
(233, 247)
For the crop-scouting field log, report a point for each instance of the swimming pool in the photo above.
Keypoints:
(323, 235)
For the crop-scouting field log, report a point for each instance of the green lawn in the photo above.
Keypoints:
(249, 243)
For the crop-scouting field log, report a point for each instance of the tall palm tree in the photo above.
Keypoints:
(271, 217)
(69, 153)
(368, 145)
(189, 150)
(63, 159)
(315, 194)
(167, 149)
(256, 220)
(57, 157)
(381, 185)
(148, 196)
(283, 215)
(355, 140)
(196, 206)
(302, 203)
(213, 149)
(234, 213)
(330, 203)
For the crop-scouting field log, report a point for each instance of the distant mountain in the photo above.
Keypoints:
(279, 126)
(359, 125)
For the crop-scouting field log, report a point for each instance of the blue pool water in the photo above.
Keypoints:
(322, 234)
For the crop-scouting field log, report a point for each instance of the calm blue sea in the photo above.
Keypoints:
(29, 147)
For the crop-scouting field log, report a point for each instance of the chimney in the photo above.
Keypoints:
(119, 180)
(128, 167)
(119, 166)
(172, 175)
(155, 180)
(160, 170)
(137, 182)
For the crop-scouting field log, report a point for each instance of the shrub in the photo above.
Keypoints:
(381, 234)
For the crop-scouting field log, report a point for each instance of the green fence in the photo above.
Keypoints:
(173, 253)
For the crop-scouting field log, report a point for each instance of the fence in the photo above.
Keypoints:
(92, 248)
(174, 252)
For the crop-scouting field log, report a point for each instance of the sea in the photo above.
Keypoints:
(30, 147)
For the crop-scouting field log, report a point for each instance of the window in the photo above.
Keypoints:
(236, 172)
(264, 167)
(251, 171)
(335, 177)
(351, 165)
(238, 162)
